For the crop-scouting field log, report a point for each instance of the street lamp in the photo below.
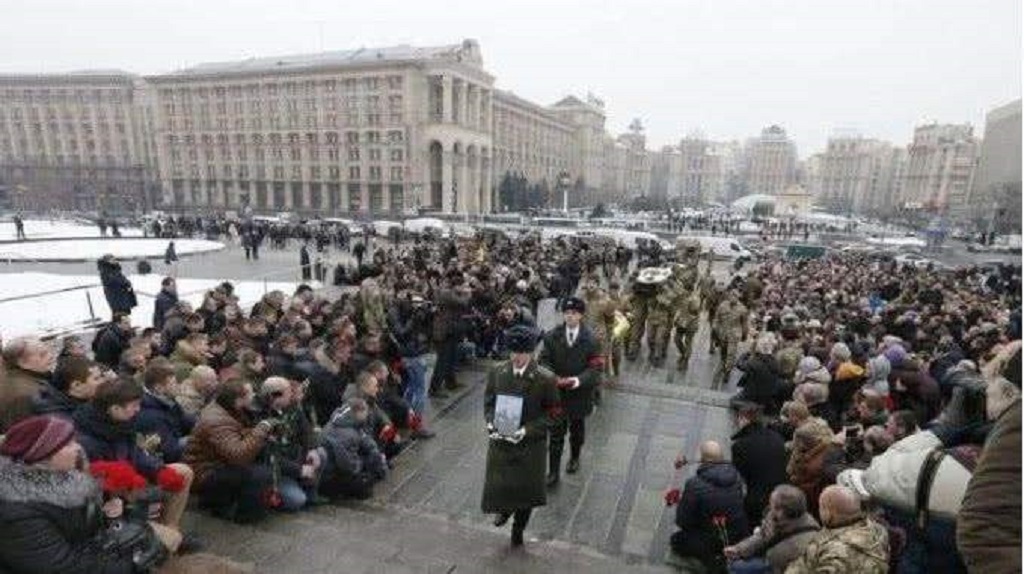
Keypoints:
(563, 182)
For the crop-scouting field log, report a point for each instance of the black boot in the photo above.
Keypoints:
(553, 478)
(574, 465)
(517, 537)
(502, 518)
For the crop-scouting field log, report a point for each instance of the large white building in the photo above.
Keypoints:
(996, 191)
(80, 140)
(771, 162)
(857, 175)
(940, 165)
(368, 130)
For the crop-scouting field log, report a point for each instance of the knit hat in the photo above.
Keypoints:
(896, 355)
(808, 365)
(36, 438)
(521, 339)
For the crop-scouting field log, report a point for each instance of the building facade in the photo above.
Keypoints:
(80, 141)
(771, 162)
(940, 165)
(996, 191)
(857, 175)
(587, 119)
(666, 181)
(361, 131)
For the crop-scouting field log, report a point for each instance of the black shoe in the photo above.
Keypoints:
(190, 544)
(501, 519)
(552, 479)
(573, 467)
(422, 434)
(517, 538)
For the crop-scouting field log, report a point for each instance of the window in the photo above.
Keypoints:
(397, 173)
(375, 173)
(334, 173)
(278, 172)
(314, 172)
(353, 172)
(353, 154)
(375, 154)
(373, 119)
(395, 136)
(296, 154)
(373, 137)
(397, 154)
(352, 137)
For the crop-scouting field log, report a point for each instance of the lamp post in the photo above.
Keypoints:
(563, 182)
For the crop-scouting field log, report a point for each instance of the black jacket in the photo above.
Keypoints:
(759, 454)
(51, 522)
(716, 490)
(52, 401)
(582, 360)
(108, 345)
(165, 301)
(352, 454)
(166, 419)
(760, 380)
(116, 287)
(103, 439)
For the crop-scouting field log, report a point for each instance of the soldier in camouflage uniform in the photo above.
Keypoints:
(850, 542)
(712, 293)
(599, 315)
(687, 303)
(731, 326)
(660, 318)
(638, 308)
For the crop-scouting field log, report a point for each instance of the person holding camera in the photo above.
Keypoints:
(223, 452)
(352, 461)
(408, 325)
(290, 449)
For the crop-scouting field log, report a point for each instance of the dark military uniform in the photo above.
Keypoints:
(515, 472)
(584, 361)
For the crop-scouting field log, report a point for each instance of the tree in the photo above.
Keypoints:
(599, 211)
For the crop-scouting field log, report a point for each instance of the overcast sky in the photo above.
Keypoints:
(724, 67)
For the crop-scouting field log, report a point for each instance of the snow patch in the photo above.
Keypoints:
(58, 228)
(92, 249)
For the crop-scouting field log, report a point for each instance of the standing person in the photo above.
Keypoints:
(170, 255)
(452, 306)
(759, 454)
(520, 406)
(730, 325)
(117, 288)
(304, 262)
(247, 240)
(19, 227)
(165, 301)
(573, 354)
(359, 250)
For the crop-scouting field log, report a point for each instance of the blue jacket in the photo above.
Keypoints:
(165, 301)
(166, 419)
(103, 439)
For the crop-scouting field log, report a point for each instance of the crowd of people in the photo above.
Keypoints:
(878, 419)
(857, 378)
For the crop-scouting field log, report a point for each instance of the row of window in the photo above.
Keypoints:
(294, 154)
(394, 137)
(368, 83)
(287, 122)
(355, 173)
(57, 95)
(263, 195)
(274, 106)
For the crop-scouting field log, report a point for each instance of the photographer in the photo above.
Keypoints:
(409, 323)
(352, 461)
(290, 445)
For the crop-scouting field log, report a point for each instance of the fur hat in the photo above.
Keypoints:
(521, 339)
(37, 438)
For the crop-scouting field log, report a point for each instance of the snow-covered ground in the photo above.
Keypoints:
(47, 229)
(64, 311)
(90, 249)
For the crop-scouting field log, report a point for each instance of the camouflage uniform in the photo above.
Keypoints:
(731, 326)
(859, 548)
(659, 322)
(638, 307)
(712, 294)
(686, 324)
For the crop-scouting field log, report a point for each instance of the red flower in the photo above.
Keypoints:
(170, 480)
(116, 476)
(271, 498)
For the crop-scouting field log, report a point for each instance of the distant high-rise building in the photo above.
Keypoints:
(587, 118)
(709, 170)
(81, 140)
(666, 174)
(855, 174)
(940, 164)
(627, 170)
(996, 192)
(771, 162)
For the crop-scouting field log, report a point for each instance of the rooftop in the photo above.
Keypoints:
(467, 52)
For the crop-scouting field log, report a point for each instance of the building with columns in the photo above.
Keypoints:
(771, 162)
(380, 130)
(80, 140)
(666, 180)
(587, 118)
(940, 166)
(532, 141)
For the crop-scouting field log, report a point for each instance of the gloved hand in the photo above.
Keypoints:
(673, 496)
(388, 434)
(517, 436)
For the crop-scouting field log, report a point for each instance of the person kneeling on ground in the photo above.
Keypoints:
(223, 450)
(710, 515)
(290, 448)
(850, 543)
(50, 507)
(353, 463)
(783, 536)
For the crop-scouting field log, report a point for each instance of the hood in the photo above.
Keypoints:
(879, 368)
(819, 375)
(21, 484)
(90, 421)
(849, 370)
(720, 474)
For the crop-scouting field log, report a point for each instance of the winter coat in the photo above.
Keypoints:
(352, 453)
(893, 476)
(108, 345)
(988, 528)
(185, 358)
(858, 548)
(165, 301)
(52, 401)
(291, 440)
(326, 387)
(583, 360)
(760, 380)
(716, 490)
(780, 542)
(759, 454)
(514, 478)
(104, 439)
(222, 439)
(166, 419)
(19, 391)
(815, 469)
(921, 395)
(452, 308)
(117, 288)
(51, 522)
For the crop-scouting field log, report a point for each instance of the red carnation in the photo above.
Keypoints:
(117, 477)
(170, 480)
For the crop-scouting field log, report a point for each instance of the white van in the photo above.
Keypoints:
(722, 247)
(424, 224)
(382, 227)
